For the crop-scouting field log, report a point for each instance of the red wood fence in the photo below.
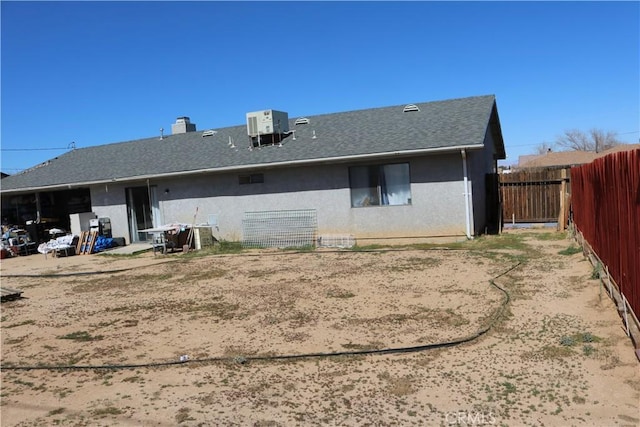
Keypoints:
(606, 210)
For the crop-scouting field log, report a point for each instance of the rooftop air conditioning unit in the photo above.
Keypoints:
(267, 122)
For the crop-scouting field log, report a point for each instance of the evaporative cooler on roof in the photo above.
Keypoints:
(267, 127)
(267, 122)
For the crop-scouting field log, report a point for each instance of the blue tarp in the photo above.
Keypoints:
(103, 243)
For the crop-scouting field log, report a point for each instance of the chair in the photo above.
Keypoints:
(159, 243)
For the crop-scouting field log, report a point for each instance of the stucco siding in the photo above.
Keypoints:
(109, 201)
(309, 170)
(481, 163)
(436, 209)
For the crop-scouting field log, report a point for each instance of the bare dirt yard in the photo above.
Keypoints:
(211, 338)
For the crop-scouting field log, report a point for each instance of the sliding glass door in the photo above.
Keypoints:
(143, 212)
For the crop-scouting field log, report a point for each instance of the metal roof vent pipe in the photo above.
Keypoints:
(183, 125)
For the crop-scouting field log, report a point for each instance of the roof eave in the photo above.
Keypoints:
(494, 122)
(303, 162)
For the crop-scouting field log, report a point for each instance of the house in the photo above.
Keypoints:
(618, 148)
(538, 190)
(566, 159)
(553, 159)
(407, 171)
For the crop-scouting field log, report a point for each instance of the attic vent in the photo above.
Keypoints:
(208, 133)
(409, 108)
(302, 121)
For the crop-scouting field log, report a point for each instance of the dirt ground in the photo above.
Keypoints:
(554, 354)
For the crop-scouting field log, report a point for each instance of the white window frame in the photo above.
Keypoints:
(380, 185)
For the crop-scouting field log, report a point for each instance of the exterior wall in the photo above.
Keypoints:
(481, 163)
(477, 172)
(109, 201)
(437, 192)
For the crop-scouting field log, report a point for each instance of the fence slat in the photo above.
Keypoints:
(531, 195)
(606, 209)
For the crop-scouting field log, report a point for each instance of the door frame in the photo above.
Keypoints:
(148, 199)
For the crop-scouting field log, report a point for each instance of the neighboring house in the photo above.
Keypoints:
(414, 171)
(558, 159)
(527, 158)
(554, 159)
(538, 189)
(618, 148)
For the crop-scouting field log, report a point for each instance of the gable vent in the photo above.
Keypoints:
(302, 121)
(410, 107)
(208, 133)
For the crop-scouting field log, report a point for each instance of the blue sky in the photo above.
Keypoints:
(101, 72)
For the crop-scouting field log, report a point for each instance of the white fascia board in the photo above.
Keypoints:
(239, 168)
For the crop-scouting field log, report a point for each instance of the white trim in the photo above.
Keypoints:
(467, 210)
(304, 162)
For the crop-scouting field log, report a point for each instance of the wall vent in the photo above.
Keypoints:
(410, 107)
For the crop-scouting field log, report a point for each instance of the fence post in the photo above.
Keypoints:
(563, 205)
(601, 283)
(626, 315)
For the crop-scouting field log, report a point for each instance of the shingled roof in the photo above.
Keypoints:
(569, 158)
(370, 133)
(558, 158)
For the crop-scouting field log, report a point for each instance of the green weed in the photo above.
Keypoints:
(571, 250)
(339, 293)
(552, 236)
(55, 412)
(81, 336)
(104, 412)
(365, 248)
(15, 325)
(588, 349)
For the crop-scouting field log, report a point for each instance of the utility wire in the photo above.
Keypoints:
(71, 146)
(33, 149)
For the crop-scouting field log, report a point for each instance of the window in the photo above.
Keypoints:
(380, 185)
(254, 178)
